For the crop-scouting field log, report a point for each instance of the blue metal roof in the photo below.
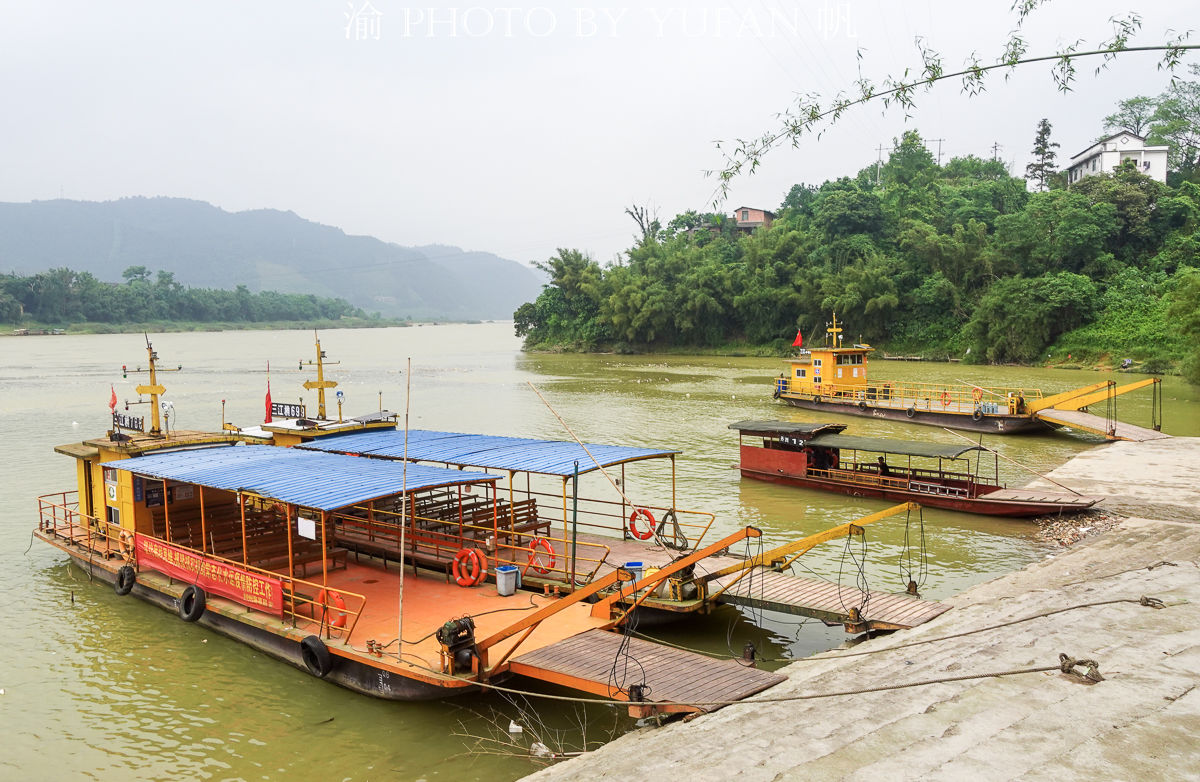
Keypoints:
(324, 481)
(518, 454)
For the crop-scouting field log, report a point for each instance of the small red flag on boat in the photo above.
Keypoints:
(799, 341)
(112, 401)
(267, 420)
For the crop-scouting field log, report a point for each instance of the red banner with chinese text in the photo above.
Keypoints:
(250, 589)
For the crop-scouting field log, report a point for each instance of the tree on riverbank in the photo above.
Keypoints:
(63, 296)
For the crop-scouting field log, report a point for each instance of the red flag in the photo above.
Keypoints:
(112, 402)
(799, 341)
(267, 420)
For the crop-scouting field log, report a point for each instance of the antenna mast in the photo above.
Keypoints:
(320, 383)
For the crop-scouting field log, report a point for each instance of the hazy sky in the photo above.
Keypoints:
(511, 127)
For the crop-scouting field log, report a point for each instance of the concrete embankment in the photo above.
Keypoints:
(1141, 721)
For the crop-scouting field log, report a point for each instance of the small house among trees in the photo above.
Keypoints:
(1109, 152)
(748, 218)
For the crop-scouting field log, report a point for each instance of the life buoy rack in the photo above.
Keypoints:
(329, 601)
(945, 399)
(537, 547)
(191, 603)
(977, 394)
(470, 567)
(633, 527)
(126, 578)
(127, 543)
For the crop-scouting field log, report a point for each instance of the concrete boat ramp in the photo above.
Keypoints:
(949, 699)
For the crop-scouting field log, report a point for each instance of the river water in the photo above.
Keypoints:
(101, 687)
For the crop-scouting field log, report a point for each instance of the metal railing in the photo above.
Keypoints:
(441, 539)
(922, 396)
(925, 481)
(59, 516)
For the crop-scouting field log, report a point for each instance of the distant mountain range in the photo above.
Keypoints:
(264, 249)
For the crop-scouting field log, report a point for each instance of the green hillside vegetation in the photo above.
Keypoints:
(65, 298)
(957, 260)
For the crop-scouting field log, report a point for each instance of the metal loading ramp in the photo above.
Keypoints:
(672, 676)
(1086, 422)
(831, 603)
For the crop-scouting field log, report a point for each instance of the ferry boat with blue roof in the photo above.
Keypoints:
(279, 548)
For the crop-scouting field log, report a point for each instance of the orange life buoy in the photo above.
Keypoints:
(470, 567)
(534, 564)
(977, 393)
(332, 600)
(633, 528)
(945, 399)
(127, 542)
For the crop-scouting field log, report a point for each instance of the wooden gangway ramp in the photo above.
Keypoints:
(591, 661)
(827, 601)
(1038, 495)
(1086, 422)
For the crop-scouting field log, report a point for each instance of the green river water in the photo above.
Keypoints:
(98, 686)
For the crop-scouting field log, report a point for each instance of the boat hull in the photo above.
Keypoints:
(980, 505)
(353, 674)
(991, 424)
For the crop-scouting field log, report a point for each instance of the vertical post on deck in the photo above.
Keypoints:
(203, 527)
(324, 579)
(404, 512)
(672, 482)
(166, 510)
(287, 522)
(242, 508)
(574, 518)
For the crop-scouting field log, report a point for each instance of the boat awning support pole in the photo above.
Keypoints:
(404, 515)
(166, 510)
(324, 579)
(574, 518)
(242, 512)
(203, 528)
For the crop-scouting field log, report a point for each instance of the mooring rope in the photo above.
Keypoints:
(1149, 602)
(1066, 665)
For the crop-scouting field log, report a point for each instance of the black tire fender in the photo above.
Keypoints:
(977, 415)
(191, 604)
(911, 411)
(316, 656)
(126, 578)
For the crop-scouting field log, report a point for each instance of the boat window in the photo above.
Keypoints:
(799, 373)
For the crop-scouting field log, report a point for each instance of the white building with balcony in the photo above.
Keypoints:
(1107, 153)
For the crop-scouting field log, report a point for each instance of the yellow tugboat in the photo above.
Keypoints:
(833, 378)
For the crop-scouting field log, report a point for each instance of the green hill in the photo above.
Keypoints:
(204, 246)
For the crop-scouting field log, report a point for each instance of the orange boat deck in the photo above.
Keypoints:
(430, 601)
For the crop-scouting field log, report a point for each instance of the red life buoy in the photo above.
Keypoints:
(470, 567)
(328, 602)
(977, 393)
(534, 554)
(633, 528)
(127, 542)
(945, 399)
